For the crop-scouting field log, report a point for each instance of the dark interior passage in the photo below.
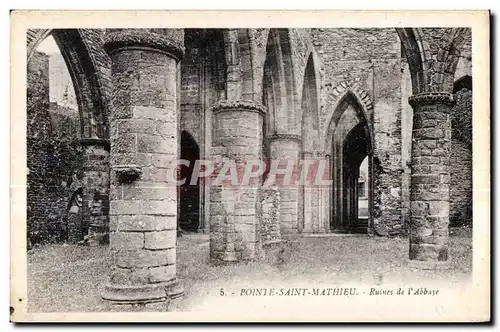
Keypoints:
(355, 150)
(189, 202)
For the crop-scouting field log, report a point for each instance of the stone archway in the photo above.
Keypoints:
(348, 141)
(89, 68)
(89, 130)
(355, 149)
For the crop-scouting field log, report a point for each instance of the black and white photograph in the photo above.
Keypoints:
(318, 170)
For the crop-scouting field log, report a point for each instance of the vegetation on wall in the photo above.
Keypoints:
(53, 158)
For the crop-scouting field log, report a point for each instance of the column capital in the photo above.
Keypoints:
(284, 137)
(170, 41)
(431, 98)
(238, 105)
(95, 142)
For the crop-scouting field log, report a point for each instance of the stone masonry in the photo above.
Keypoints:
(338, 95)
(285, 150)
(143, 206)
(234, 209)
(96, 185)
(430, 177)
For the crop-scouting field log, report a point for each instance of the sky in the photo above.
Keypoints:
(48, 46)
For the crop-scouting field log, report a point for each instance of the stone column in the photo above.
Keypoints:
(143, 137)
(95, 186)
(339, 222)
(326, 193)
(307, 199)
(430, 179)
(285, 147)
(235, 208)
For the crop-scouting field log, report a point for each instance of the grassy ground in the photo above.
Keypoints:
(63, 278)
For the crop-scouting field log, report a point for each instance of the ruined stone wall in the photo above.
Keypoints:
(202, 81)
(461, 160)
(54, 156)
(464, 65)
(270, 226)
(64, 120)
(406, 129)
(460, 184)
(371, 58)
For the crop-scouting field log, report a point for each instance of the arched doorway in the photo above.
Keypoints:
(355, 150)
(349, 140)
(189, 197)
(364, 194)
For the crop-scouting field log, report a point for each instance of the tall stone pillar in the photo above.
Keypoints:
(286, 148)
(326, 193)
(235, 207)
(430, 179)
(312, 193)
(144, 141)
(95, 185)
(306, 198)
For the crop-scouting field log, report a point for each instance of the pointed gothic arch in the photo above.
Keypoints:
(309, 108)
(343, 95)
(348, 140)
(413, 49)
(86, 77)
(278, 88)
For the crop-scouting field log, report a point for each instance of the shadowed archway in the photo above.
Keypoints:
(189, 197)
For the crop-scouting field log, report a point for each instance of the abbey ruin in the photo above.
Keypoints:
(376, 104)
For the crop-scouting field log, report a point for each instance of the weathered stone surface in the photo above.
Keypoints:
(149, 207)
(144, 258)
(135, 223)
(160, 239)
(270, 224)
(235, 207)
(143, 207)
(430, 207)
(126, 241)
(358, 72)
(162, 273)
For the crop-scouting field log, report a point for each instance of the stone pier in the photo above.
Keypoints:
(144, 141)
(95, 185)
(313, 195)
(235, 209)
(285, 148)
(430, 179)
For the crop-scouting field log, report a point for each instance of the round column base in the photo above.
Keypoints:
(229, 257)
(143, 294)
(308, 230)
(429, 265)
